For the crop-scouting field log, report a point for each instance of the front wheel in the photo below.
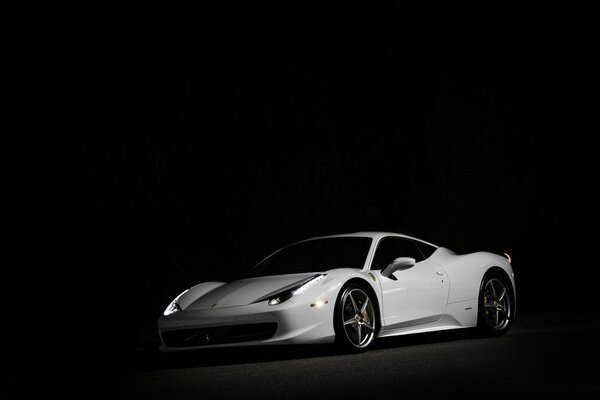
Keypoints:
(355, 318)
(496, 305)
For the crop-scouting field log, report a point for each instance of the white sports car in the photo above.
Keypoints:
(349, 288)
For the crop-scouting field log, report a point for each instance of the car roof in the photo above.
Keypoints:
(375, 235)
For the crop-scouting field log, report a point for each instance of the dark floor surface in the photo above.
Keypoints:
(545, 355)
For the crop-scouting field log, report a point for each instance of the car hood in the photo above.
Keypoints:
(245, 291)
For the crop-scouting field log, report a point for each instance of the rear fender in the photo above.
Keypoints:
(465, 273)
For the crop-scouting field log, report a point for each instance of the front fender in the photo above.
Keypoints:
(195, 292)
(344, 275)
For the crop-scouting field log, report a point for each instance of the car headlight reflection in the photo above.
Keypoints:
(294, 290)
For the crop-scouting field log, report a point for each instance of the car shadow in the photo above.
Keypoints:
(152, 359)
(419, 339)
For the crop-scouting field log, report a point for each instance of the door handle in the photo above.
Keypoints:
(440, 271)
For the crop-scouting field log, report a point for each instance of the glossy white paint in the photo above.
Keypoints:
(245, 291)
(417, 292)
(197, 292)
(466, 271)
(435, 294)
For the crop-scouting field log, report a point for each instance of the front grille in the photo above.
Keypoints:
(219, 335)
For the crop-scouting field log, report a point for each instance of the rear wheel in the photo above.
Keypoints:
(496, 305)
(355, 318)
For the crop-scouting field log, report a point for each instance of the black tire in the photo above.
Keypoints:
(355, 323)
(496, 305)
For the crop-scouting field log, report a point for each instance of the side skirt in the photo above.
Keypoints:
(429, 324)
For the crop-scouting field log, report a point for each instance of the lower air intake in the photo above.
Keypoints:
(219, 335)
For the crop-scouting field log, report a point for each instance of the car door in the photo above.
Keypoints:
(412, 296)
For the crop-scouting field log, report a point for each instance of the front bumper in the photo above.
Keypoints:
(249, 325)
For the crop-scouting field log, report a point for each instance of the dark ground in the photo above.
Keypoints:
(544, 356)
(159, 163)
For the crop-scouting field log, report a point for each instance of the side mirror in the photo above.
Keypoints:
(398, 264)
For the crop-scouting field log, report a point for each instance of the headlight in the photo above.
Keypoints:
(174, 306)
(288, 293)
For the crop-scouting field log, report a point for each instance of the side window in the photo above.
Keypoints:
(390, 248)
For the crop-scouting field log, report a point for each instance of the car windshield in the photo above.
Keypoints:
(315, 255)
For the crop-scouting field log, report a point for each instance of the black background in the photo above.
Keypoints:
(180, 161)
